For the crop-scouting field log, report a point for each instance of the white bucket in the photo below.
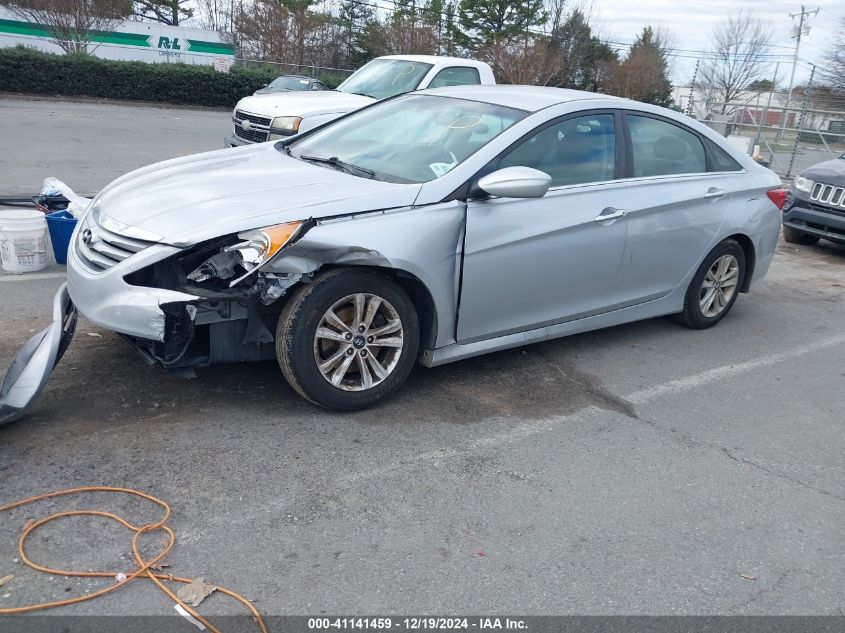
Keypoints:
(23, 240)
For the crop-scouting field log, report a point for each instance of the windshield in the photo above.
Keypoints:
(383, 78)
(289, 83)
(411, 139)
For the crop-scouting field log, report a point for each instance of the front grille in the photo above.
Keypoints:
(253, 136)
(828, 195)
(252, 118)
(258, 127)
(105, 248)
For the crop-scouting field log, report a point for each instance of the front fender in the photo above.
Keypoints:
(425, 242)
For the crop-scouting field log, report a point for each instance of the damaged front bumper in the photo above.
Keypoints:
(171, 320)
(36, 360)
(106, 299)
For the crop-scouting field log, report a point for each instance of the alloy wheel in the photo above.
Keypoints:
(358, 342)
(719, 286)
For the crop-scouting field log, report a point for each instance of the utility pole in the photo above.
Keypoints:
(690, 110)
(799, 32)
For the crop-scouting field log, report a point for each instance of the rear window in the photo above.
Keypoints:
(455, 76)
(720, 160)
(661, 148)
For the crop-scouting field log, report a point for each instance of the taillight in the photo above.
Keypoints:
(778, 196)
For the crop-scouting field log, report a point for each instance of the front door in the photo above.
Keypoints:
(529, 263)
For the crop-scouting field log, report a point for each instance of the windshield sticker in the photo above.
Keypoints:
(441, 168)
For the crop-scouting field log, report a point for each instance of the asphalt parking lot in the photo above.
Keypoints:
(645, 469)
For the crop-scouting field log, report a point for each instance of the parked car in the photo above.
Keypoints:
(292, 83)
(260, 118)
(815, 204)
(431, 227)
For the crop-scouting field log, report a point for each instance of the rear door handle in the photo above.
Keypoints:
(714, 193)
(610, 214)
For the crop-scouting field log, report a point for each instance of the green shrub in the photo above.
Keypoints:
(30, 71)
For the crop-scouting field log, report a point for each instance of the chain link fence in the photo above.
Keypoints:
(786, 131)
(330, 76)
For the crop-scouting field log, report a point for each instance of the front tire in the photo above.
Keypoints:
(796, 237)
(348, 340)
(715, 286)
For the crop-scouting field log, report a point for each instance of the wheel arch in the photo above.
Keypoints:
(750, 258)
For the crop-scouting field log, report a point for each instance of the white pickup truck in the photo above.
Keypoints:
(273, 116)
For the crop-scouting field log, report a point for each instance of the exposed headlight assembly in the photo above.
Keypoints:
(285, 125)
(257, 248)
(803, 184)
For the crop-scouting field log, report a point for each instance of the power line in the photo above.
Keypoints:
(678, 53)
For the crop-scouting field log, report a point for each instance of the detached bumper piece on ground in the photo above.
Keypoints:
(36, 360)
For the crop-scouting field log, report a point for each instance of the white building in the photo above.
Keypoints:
(138, 41)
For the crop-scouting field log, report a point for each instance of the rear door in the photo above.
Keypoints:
(676, 204)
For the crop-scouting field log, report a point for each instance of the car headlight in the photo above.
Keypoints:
(285, 125)
(803, 184)
(244, 258)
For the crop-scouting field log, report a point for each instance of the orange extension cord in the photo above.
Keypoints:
(144, 566)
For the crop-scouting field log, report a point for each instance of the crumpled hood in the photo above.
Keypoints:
(195, 198)
(831, 172)
(302, 104)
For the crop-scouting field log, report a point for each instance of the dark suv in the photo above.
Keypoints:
(815, 204)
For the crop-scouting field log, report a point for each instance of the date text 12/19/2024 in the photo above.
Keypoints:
(416, 624)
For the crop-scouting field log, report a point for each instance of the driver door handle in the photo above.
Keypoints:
(610, 214)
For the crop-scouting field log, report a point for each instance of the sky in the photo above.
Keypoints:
(690, 23)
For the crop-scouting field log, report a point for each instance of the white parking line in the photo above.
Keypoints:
(525, 430)
(32, 277)
(726, 371)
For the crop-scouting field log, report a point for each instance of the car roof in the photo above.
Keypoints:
(293, 77)
(437, 59)
(530, 98)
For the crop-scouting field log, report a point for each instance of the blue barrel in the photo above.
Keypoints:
(61, 225)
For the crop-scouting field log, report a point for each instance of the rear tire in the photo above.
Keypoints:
(796, 237)
(348, 340)
(715, 286)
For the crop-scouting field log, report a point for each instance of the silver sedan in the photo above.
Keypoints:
(430, 227)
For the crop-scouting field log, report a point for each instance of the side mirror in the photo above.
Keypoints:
(516, 182)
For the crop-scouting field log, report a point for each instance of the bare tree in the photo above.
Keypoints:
(528, 60)
(739, 57)
(265, 31)
(71, 24)
(834, 73)
(216, 15)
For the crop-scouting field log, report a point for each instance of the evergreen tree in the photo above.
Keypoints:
(353, 19)
(649, 51)
(448, 41)
(170, 12)
(579, 52)
(484, 22)
(432, 17)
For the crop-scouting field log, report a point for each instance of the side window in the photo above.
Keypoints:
(574, 151)
(662, 148)
(720, 159)
(455, 76)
